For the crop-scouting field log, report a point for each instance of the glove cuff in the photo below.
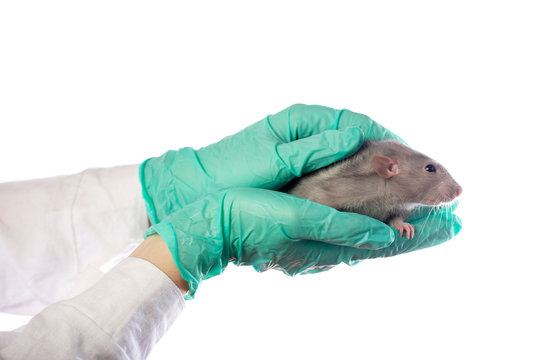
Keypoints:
(196, 257)
(168, 185)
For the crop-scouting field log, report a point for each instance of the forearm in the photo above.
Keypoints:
(53, 229)
(122, 317)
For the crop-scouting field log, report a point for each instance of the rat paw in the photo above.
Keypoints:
(403, 227)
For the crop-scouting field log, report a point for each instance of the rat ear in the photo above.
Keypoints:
(384, 166)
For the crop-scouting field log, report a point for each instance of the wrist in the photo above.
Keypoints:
(154, 250)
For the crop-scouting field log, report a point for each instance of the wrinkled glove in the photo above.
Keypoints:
(267, 154)
(270, 229)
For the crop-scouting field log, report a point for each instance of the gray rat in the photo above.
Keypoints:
(385, 180)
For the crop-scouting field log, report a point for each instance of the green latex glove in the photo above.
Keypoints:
(433, 225)
(270, 229)
(267, 155)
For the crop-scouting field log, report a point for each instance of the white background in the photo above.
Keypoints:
(102, 83)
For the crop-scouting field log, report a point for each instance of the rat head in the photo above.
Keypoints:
(413, 176)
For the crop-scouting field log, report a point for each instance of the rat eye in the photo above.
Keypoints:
(430, 168)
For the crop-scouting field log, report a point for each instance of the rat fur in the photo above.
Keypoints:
(385, 180)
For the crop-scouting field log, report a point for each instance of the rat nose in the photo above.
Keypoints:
(459, 191)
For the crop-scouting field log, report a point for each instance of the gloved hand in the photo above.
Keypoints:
(271, 229)
(267, 155)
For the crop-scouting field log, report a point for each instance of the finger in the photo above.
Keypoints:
(309, 257)
(371, 129)
(437, 228)
(300, 121)
(305, 257)
(433, 230)
(305, 155)
(423, 211)
(318, 256)
(301, 219)
(323, 255)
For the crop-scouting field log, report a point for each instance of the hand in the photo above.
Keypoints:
(434, 226)
(266, 155)
(267, 229)
(274, 230)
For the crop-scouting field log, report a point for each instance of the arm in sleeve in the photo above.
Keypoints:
(122, 317)
(52, 229)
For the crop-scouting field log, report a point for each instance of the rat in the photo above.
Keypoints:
(385, 180)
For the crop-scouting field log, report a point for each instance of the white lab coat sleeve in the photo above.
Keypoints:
(52, 229)
(121, 317)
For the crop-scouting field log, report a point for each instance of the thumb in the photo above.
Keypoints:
(317, 151)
